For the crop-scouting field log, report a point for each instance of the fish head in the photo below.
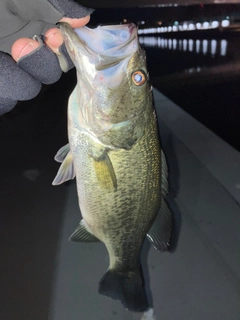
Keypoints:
(113, 85)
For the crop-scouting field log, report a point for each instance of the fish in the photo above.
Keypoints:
(114, 152)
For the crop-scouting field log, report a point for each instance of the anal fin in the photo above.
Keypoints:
(81, 234)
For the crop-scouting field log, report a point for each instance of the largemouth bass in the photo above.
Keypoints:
(114, 152)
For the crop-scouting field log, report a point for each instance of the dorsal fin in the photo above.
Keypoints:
(164, 177)
(160, 233)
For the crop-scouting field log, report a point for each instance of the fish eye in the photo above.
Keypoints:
(138, 78)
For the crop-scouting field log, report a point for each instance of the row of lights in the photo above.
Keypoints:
(205, 46)
(186, 27)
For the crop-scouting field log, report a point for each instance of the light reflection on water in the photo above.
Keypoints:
(211, 47)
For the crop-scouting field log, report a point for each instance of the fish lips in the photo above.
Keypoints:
(106, 46)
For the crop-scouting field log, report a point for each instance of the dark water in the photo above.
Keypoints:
(202, 76)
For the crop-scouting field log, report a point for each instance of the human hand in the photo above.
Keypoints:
(34, 61)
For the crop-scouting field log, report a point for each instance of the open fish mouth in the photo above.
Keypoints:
(107, 39)
(108, 44)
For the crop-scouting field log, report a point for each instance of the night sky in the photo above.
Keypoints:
(138, 3)
(166, 14)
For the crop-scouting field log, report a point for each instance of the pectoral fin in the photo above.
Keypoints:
(66, 171)
(105, 172)
(160, 232)
(81, 234)
(62, 153)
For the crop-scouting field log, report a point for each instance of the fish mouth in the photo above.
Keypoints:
(109, 44)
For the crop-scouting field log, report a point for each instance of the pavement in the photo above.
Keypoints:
(45, 277)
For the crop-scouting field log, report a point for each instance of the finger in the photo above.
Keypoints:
(54, 39)
(22, 47)
(76, 23)
(37, 59)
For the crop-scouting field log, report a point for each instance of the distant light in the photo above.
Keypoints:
(176, 23)
(213, 47)
(180, 44)
(185, 26)
(149, 41)
(180, 28)
(153, 30)
(142, 22)
(205, 46)
(223, 47)
(199, 25)
(124, 20)
(227, 17)
(190, 44)
(215, 24)
(225, 23)
(191, 26)
(170, 44)
(174, 44)
(169, 29)
(206, 25)
(174, 28)
(159, 23)
(184, 44)
(198, 46)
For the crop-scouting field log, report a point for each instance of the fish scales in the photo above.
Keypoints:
(121, 211)
(114, 152)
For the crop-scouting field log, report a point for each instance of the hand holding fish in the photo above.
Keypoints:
(27, 33)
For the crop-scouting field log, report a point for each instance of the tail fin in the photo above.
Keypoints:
(127, 287)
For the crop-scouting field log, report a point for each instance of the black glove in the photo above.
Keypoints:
(27, 18)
